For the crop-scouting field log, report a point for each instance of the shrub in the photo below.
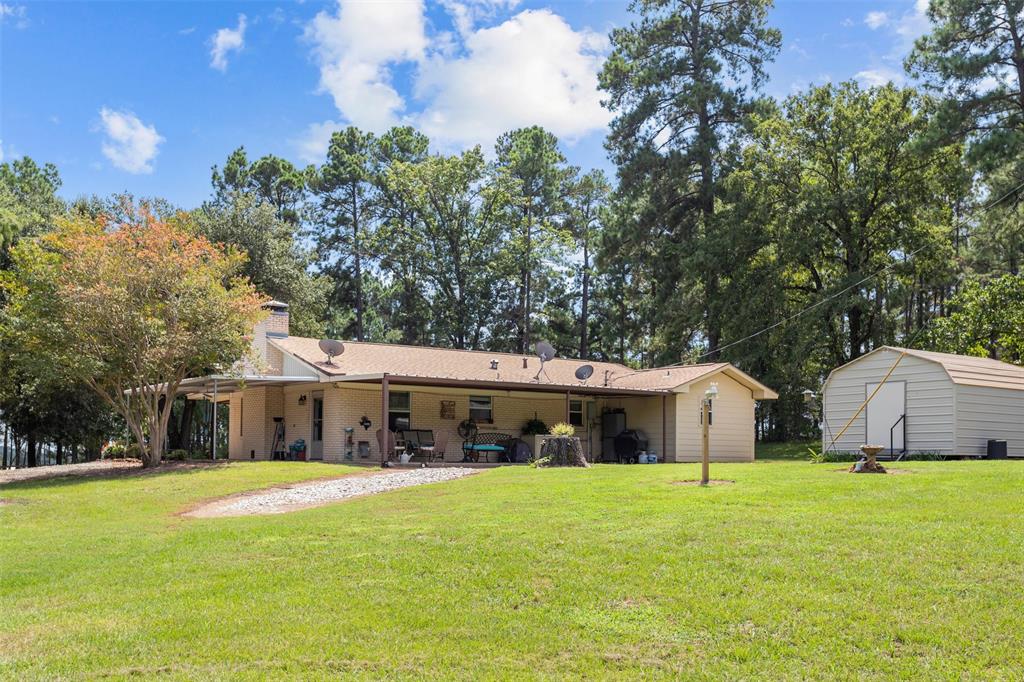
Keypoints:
(133, 452)
(534, 427)
(563, 429)
(114, 451)
(177, 455)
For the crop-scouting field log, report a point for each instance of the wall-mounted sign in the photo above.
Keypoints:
(447, 409)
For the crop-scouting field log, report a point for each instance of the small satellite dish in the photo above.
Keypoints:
(545, 351)
(584, 372)
(331, 349)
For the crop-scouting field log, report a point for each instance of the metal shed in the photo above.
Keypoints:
(931, 402)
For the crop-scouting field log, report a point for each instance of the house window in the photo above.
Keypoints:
(241, 416)
(711, 414)
(480, 409)
(576, 412)
(399, 411)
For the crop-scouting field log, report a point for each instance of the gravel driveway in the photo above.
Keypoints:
(316, 493)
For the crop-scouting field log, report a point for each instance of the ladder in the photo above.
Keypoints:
(278, 450)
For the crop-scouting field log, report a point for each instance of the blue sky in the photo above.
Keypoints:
(146, 96)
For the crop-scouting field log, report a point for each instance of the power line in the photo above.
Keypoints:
(839, 293)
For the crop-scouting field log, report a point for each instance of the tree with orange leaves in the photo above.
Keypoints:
(131, 309)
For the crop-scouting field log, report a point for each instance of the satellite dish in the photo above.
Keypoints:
(584, 372)
(545, 351)
(331, 349)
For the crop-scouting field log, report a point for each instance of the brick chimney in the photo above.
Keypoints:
(274, 327)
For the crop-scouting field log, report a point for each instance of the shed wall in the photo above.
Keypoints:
(985, 413)
(930, 408)
(731, 436)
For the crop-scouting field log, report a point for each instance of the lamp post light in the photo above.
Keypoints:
(710, 394)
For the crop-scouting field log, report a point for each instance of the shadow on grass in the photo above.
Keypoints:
(71, 478)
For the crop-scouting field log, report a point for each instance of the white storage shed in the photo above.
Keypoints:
(931, 402)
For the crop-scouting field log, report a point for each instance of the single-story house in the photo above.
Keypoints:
(336, 404)
(931, 402)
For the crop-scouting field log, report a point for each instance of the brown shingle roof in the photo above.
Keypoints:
(449, 364)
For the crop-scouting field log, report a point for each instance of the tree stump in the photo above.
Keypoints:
(564, 451)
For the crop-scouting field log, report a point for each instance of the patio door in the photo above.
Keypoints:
(883, 414)
(316, 431)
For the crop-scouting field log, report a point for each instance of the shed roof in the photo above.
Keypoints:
(973, 371)
(446, 364)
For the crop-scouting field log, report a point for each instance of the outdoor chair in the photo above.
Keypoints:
(437, 446)
(393, 447)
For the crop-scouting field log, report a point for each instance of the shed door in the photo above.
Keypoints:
(884, 410)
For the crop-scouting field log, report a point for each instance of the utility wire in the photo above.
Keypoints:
(839, 293)
(830, 297)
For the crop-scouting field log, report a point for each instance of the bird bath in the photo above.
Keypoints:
(871, 466)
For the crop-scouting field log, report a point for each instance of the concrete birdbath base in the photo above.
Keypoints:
(870, 465)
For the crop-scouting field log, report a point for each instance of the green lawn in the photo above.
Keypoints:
(796, 450)
(796, 571)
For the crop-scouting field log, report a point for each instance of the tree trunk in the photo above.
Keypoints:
(60, 452)
(31, 453)
(585, 305)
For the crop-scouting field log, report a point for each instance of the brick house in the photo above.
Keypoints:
(337, 405)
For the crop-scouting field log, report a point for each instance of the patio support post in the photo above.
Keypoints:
(664, 428)
(567, 396)
(384, 430)
(213, 435)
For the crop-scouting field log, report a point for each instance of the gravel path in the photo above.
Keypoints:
(316, 493)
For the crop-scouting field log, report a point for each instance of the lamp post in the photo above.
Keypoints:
(710, 394)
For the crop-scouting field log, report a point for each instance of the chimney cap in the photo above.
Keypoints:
(275, 305)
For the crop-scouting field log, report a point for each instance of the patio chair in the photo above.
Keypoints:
(439, 443)
(393, 447)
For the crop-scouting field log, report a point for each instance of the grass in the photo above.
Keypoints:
(794, 450)
(796, 571)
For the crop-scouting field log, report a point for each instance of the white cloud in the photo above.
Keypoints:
(131, 145)
(187, 31)
(466, 86)
(14, 14)
(532, 69)
(226, 40)
(356, 48)
(880, 76)
(876, 20)
(313, 144)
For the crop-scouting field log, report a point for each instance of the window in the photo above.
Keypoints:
(711, 413)
(576, 412)
(480, 409)
(241, 416)
(399, 411)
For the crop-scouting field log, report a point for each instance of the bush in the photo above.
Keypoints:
(177, 455)
(534, 427)
(114, 451)
(563, 429)
(133, 452)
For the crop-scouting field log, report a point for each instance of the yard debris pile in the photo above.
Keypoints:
(316, 493)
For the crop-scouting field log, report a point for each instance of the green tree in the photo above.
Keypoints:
(276, 263)
(588, 205)
(345, 220)
(529, 161)
(28, 202)
(986, 319)
(679, 80)
(399, 239)
(130, 310)
(974, 57)
(462, 215)
(272, 179)
(851, 192)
